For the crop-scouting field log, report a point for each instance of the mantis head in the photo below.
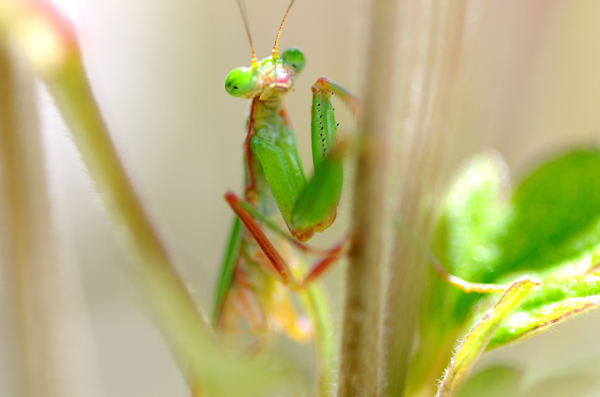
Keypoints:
(272, 76)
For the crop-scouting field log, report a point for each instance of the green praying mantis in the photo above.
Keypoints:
(255, 273)
(256, 276)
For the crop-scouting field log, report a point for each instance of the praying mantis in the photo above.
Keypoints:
(258, 272)
(255, 274)
(256, 277)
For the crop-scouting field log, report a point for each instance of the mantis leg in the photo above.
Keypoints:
(282, 233)
(305, 207)
(279, 264)
(315, 208)
(281, 314)
(246, 305)
(229, 263)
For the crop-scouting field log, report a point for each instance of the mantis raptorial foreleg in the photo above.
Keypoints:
(275, 259)
(305, 207)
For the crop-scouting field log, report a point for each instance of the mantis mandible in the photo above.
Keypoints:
(256, 275)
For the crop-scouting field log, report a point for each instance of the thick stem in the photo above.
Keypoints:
(12, 299)
(438, 74)
(54, 358)
(360, 358)
(173, 307)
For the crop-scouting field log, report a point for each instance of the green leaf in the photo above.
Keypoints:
(551, 223)
(465, 240)
(573, 379)
(552, 303)
(554, 232)
(556, 214)
(475, 342)
(549, 228)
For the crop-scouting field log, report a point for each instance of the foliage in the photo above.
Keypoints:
(547, 230)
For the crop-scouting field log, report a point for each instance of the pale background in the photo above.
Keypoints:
(157, 68)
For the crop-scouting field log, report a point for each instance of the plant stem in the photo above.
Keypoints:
(360, 358)
(437, 73)
(43, 292)
(48, 42)
(175, 312)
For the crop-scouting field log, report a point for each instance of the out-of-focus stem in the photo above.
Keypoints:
(48, 42)
(440, 35)
(185, 330)
(44, 297)
(360, 358)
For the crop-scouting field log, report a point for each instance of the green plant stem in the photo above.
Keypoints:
(185, 330)
(53, 358)
(360, 358)
(59, 64)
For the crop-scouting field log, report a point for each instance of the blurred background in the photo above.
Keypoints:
(157, 69)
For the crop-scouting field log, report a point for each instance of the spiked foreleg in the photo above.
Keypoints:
(316, 207)
(275, 259)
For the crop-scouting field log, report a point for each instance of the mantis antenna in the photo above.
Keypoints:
(275, 52)
(246, 24)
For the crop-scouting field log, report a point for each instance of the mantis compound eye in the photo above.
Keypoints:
(240, 81)
(294, 58)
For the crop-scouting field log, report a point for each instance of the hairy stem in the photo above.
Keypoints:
(360, 358)
(435, 59)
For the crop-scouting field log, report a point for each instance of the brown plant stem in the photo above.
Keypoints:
(360, 359)
(444, 31)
